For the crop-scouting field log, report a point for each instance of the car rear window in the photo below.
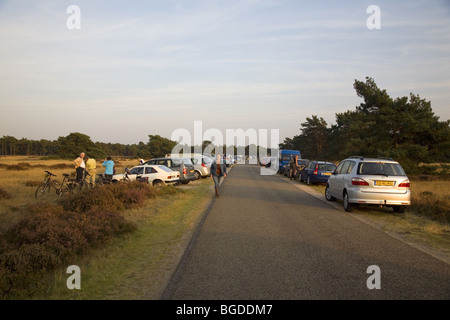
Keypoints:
(380, 168)
(326, 167)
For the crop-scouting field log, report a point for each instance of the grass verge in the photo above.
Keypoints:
(138, 265)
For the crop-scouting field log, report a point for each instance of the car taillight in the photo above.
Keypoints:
(169, 177)
(184, 171)
(316, 171)
(359, 182)
(203, 165)
(404, 184)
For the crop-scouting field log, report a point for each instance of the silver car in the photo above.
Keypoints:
(202, 165)
(373, 181)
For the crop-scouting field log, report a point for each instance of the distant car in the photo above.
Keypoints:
(183, 165)
(153, 174)
(359, 180)
(317, 172)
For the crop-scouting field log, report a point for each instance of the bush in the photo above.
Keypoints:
(49, 236)
(4, 194)
(87, 199)
(113, 197)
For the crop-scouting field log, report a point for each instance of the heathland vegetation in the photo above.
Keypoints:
(40, 238)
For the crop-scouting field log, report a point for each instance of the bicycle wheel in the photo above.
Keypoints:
(42, 191)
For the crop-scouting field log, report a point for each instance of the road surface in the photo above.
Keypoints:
(265, 239)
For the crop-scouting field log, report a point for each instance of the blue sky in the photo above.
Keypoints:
(150, 67)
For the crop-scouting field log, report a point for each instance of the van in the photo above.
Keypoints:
(285, 156)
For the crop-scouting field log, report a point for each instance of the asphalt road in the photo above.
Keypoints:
(265, 239)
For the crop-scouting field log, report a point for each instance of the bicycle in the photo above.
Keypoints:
(67, 185)
(83, 184)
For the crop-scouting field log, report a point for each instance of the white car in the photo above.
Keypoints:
(154, 174)
(358, 180)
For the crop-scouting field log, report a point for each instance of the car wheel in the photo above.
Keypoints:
(347, 205)
(328, 195)
(185, 182)
(157, 183)
(308, 181)
(399, 209)
(197, 175)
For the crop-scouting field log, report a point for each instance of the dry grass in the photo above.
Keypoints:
(21, 184)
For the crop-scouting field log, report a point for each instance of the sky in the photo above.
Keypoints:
(122, 70)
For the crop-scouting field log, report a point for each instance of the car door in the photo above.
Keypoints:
(150, 173)
(335, 182)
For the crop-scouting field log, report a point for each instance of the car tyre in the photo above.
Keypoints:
(399, 209)
(197, 175)
(347, 205)
(158, 183)
(328, 195)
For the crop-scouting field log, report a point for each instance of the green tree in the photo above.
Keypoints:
(160, 146)
(315, 134)
(75, 143)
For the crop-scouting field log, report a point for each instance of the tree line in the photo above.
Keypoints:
(72, 145)
(405, 129)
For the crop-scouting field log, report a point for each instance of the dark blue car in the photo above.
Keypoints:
(317, 172)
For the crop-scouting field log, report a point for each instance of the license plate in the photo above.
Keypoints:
(192, 170)
(326, 173)
(384, 183)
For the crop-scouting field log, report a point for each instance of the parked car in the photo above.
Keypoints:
(183, 165)
(302, 163)
(317, 172)
(153, 174)
(359, 180)
(202, 165)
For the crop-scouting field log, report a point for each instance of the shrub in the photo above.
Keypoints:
(87, 199)
(47, 237)
(132, 194)
(4, 194)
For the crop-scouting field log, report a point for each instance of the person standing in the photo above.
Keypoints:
(109, 168)
(80, 166)
(218, 171)
(91, 168)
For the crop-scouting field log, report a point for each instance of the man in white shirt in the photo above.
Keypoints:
(80, 166)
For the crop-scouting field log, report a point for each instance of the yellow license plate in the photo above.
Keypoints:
(192, 170)
(326, 173)
(384, 183)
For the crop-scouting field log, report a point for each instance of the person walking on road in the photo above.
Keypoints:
(80, 166)
(109, 168)
(218, 171)
(91, 168)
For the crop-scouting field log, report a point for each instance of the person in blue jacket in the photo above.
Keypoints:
(218, 171)
(109, 168)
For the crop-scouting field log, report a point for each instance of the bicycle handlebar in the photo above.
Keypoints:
(49, 173)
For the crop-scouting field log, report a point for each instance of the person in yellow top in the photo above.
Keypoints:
(91, 168)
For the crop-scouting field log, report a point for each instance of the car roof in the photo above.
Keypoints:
(387, 160)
